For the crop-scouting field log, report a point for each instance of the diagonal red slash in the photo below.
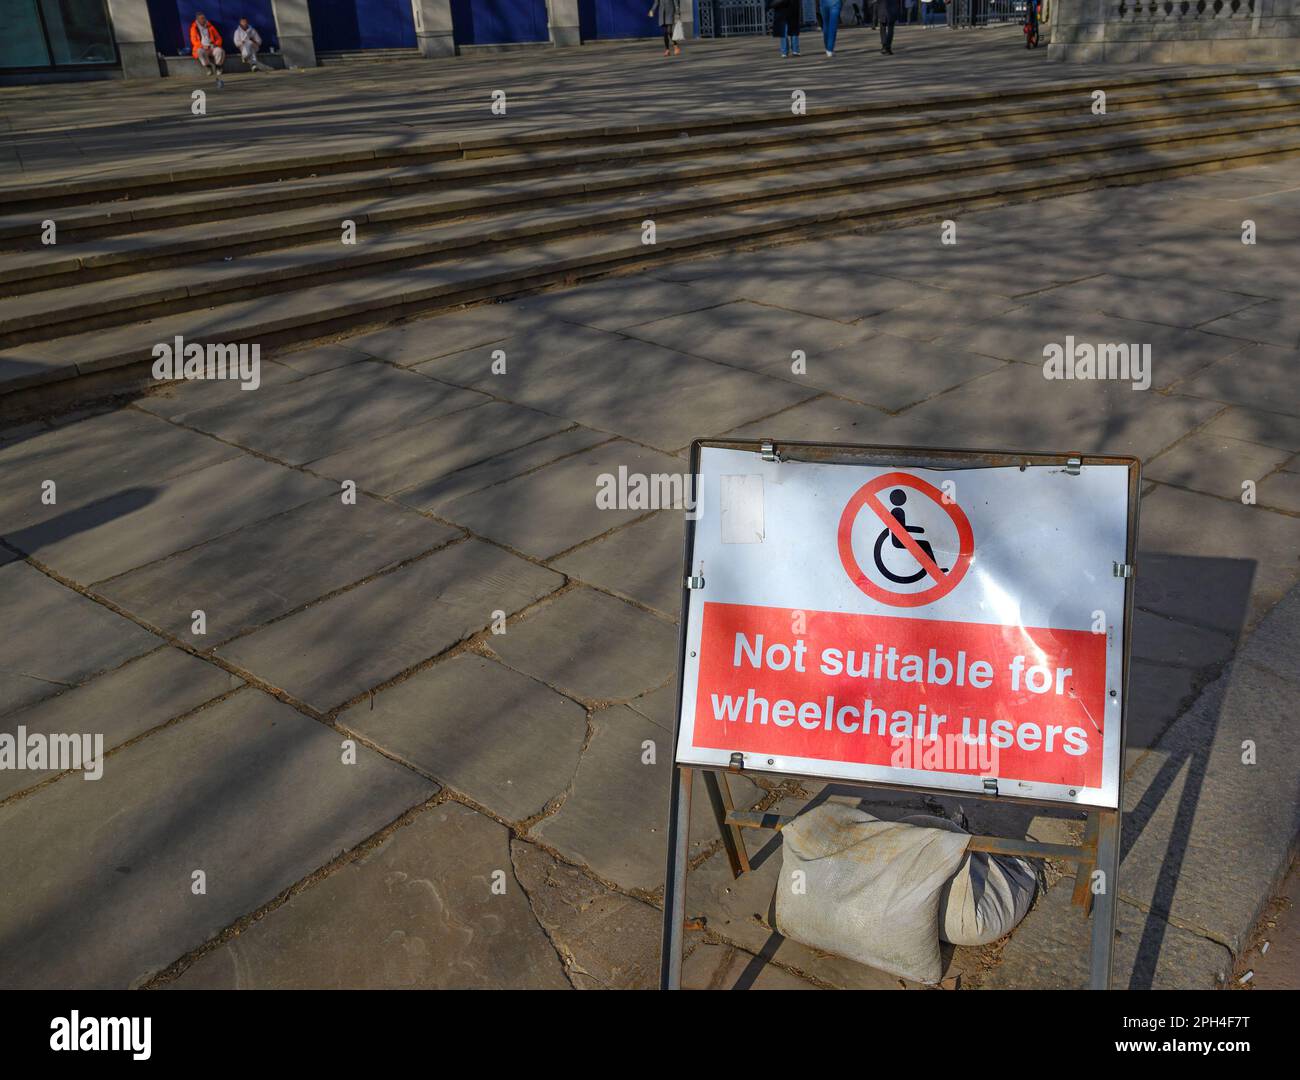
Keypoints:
(891, 522)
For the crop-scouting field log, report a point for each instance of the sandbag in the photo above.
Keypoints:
(870, 890)
(988, 895)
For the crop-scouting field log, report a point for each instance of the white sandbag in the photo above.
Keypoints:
(870, 889)
(987, 897)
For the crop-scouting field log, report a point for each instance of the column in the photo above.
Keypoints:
(563, 18)
(433, 33)
(293, 28)
(133, 33)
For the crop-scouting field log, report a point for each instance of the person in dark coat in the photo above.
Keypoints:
(888, 10)
(786, 16)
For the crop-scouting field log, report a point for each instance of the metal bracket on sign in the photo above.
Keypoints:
(990, 785)
(1122, 570)
(769, 451)
(1073, 466)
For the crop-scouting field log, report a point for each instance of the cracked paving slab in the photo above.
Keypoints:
(434, 906)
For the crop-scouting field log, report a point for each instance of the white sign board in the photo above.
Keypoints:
(920, 627)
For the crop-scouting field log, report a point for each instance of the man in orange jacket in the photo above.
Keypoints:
(206, 41)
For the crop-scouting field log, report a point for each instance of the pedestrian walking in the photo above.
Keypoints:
(830, 12)
(888, 10)
(786, 15)
(670, 21)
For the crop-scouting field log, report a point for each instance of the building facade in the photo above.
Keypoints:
(139, 39)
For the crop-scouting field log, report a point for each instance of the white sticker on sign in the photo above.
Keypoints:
(930, 628)
(741, 512)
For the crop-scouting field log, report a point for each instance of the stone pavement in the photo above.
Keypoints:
(422, 737)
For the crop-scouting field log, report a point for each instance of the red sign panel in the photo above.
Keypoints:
(974, 698)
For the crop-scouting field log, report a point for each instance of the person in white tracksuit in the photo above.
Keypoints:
(248, 41)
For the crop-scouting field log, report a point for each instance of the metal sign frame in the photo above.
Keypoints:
(1100, 848)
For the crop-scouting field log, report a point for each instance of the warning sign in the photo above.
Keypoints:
(940, 628)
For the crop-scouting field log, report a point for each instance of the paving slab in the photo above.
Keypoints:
(548, 511)
(55, 637)
(642, 562)
(1202, 796)
(416, 912)
(91, 459)
(413, 343)
(119, 705)
(889, 372)
(824, 419)
(607, 941)
(523, 345)
(1092, 417)
(175, 398)
(641, 391)
(321, 358)
(1171, 303)
(433, 494)
(507, 741)
(592, 646)
(1255, 425)
(148, 522)
(1049, 951)
(405, 617)
(722, 967)
(1023, 334)
(257, 573)
(1214, 464)
(314, 417)
(1163, 640)
(614, 820)
(189, 798)
(1274, 322)
(1281, 491)
(614, 303)
(750, 335)
(420, 454)
(1259, 376)
(1216, 563)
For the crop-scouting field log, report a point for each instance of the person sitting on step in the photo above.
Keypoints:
(248, 41)
(205, 40)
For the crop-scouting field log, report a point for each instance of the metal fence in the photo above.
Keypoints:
(732, 18)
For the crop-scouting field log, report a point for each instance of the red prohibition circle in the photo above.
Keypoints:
(940, 589)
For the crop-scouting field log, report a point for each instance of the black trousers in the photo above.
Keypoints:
(886, 31)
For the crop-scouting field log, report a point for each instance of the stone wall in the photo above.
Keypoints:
(1176, 31)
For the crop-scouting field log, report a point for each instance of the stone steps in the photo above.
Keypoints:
(226, 172)
(115, 300)
(197, 241)
(438, 234)
(1144, 105)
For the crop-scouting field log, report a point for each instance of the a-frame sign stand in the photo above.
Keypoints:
(1097, 858)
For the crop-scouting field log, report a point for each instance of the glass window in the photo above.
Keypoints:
(22, 44)
(78, 31)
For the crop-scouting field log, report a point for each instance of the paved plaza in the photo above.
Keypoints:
(375, 666)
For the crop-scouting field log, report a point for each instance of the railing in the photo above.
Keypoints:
(974, 12)
(732, 18)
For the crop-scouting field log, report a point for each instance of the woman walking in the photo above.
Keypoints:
(786, 15)
(670, 16)
(830, 13)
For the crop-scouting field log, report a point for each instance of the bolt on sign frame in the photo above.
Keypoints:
(1100, 848)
